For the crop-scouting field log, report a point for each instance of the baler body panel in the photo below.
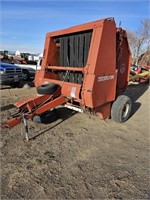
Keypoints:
(91, 55)
(123, 59)
(99, 84)
(90, 63)
(92, 47)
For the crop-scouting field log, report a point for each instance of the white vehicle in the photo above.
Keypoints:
(39, 63)
(30, 70)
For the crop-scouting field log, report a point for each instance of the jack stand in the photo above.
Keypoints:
(24, 121)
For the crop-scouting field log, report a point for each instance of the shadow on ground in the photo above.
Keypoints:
(135, 91)
(22, 84)
(29, 83)
(7, 107)
(63, 114)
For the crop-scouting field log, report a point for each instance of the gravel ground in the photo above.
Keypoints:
(78, 156)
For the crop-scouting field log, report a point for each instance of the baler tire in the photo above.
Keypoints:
(121, 109)
(48, 88)
(46, 117)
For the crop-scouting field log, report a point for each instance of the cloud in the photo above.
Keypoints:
(70, 11)
(23, 47)
(59, 14)
(30, 13)
(13, 37)
(26, 22)
(3, 33)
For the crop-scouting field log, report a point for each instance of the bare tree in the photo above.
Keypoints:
(139, 40)
(132, 43)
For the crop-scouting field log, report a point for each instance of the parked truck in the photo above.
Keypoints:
(10, 74)
(85, 68)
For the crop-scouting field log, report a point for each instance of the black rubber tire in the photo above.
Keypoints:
(26, 75)
(48, 88)
(16, 84)
(46, 117)
(121, 109)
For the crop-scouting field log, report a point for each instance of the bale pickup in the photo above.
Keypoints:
(85, 68)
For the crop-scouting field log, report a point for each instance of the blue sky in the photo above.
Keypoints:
(24, 23)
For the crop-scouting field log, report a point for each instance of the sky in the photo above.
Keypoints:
(24, 23)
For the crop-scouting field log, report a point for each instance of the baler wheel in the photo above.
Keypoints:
(46, 117)
(48, 88)
(121, 109)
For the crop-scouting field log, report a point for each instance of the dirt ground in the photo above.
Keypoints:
(78, 156)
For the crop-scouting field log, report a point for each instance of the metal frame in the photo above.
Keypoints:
(95, 83)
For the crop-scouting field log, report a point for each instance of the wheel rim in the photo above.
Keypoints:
(125, 110)
(25, 76)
